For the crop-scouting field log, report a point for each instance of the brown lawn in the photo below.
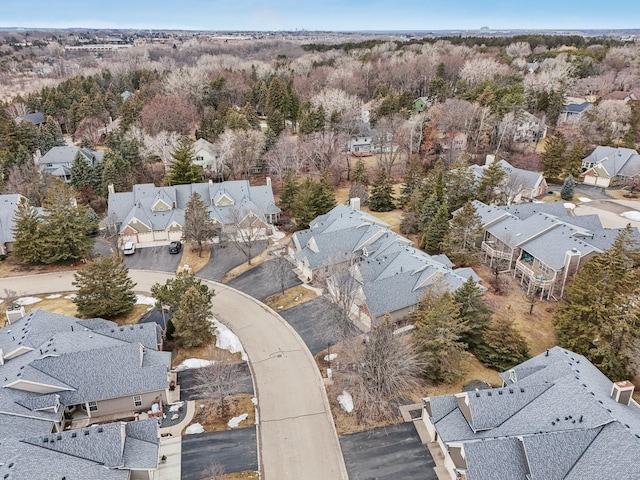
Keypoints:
(292, 297)
(10, 268)
(191, 257)
(208, 412)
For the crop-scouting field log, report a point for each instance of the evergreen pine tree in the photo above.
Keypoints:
(198, 227)
(104, 288)
(171, 293)
(65, 228)
(381, 197)
(359, 173)
(183, 170)
(474, 312)
(80, 172)
(461, 242)
(27, 246)
(192, 321)
(553, 157)
(324, 198)
(437, 336)
(502, 346)
(110, 176)
(600, 315)
(302, 209)
(437, 231)
(574, 160)
(288, 191)
(568, 188)
(50, 136)
(492, 177)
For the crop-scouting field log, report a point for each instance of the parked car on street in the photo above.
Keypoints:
(129, 248)
(175, 247)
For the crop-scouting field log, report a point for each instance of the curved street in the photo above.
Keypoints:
(296, 435)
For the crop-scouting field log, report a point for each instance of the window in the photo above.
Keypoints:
(93, 406)
(137, 400)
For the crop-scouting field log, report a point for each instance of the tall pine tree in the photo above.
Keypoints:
(460, 244)
(437, 231)
(27, 246)
(192, 321)
(381, 197)
(474, 312)
(199, 227)
(183, 170)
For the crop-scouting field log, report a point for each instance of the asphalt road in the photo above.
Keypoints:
(225, 259)
(297, 437)
(235, 450)
(156, 258)
(187, 383)
(261, 281)
(387, 453)
(313, 322)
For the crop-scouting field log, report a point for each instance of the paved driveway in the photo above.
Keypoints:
(297, 435)
(154, 258)
(387, 453)
(235, 450)
(187, 383)
(313, 322)
(225, 259)
(261, 282)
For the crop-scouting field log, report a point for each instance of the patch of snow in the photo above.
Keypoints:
(70, 296)
(584, 199)
(194, 428)
(278, 235)
(176, 407)
(227, 340)
(27, 300)
(235, 421)
(331, 357)
(570, 206)
(254, 400)
(142, 300)
(190, 363)
(346, 401)
(631, 215)
(51, 297)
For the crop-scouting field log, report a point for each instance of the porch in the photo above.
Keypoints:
(534, 278)
(494, 252)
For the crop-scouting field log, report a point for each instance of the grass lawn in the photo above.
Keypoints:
(292, 297)
(190, 257)
(10, 268)
(208, 415)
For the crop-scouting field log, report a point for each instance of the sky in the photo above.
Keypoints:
(333, 15)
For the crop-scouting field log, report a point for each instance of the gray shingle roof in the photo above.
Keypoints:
(8, 208)
(563, 425)
(616, 161)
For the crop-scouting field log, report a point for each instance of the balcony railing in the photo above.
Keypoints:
(535, 276)
(490, 248)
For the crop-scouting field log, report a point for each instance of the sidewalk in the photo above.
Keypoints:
(176, 430)
(172, 448)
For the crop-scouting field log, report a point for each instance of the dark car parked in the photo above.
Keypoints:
(175, 247)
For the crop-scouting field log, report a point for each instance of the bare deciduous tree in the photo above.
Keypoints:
(279, 267)
(344, 291)
(221, 378)
(214, 471)
(245, 230)
(386, 367)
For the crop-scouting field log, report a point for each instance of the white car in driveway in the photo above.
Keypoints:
(129, 248)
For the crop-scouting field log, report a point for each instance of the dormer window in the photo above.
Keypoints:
(223, 200)
(160, 206)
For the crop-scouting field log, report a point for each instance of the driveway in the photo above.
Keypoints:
(597, 193)
(155, 258)
(387, 453)
(313, 322)
(187, 383)
(261, 281)
(235, 450)
(297, 435)
(224, 259)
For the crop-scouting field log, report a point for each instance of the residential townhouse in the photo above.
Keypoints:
(157, 214)
(519, 185)
(610, 166)
(355, 254)
(556, 416)
(8, 208)
(541, 244)
(59, 160)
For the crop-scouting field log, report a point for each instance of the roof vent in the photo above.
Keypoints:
(74, 434)
(86, 432)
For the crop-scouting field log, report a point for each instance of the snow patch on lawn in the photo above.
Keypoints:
(570, 206)
(27, 300)
(331, 357)
(631, 215)
(142, 300)
(227, 340)
(190, 363)
(51, 297)
(71, 296)
(194, 428)
(346, 401)
(584, 199)
(176, 407)
(235, 421)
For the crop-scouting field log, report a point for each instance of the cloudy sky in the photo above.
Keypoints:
(342, 15)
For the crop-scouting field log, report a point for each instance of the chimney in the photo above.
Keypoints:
(210, 182)
(571, 264)
(111, 188)
(490, 159)
(269, 181)
(354, 203)
(15, 313)
(622, 391)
